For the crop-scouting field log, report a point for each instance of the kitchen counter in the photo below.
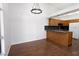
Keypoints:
(63, 38)
(62, 31)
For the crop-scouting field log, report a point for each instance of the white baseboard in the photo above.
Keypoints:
(26, 41)
(6, 54)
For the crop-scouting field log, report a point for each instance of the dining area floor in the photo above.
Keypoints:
(44, 48)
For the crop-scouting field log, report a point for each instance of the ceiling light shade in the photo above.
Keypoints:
(36, 9)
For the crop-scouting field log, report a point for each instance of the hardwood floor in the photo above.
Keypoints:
(44, 48)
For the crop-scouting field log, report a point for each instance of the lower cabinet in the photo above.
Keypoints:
(63, 38)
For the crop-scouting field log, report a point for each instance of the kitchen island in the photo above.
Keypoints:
(63, 38)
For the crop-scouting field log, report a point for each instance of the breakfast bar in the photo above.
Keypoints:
(63, 38)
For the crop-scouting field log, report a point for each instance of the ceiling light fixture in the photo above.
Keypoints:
(36, 9)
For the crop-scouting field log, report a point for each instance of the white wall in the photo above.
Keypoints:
(74, 27)
(7, 40)
(0, 18)
(2, 31)
(23, 26)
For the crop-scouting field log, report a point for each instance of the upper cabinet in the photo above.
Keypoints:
(57, 22)
(72, 20)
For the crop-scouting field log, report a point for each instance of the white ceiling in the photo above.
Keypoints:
(48, 8)
(63, 6)
(59, 6)
(55, 7)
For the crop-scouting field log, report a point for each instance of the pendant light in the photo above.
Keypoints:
(36, 9)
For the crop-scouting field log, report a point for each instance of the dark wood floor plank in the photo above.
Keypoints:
(44, 48)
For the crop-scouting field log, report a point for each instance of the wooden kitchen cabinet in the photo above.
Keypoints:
(55, 22)
(63, 38)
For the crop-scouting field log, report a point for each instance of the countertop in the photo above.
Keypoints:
(62, 31)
